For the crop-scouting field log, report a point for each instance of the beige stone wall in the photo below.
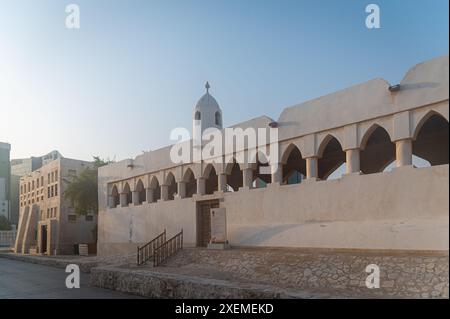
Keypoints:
(403, 209)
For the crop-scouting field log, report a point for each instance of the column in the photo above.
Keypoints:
(403, 152)
(222, 187)
(181, 190)
(201, 186)
(149, 195)
(312, 168)
(352, 161)
(123, 199)
(135, 198)
(164, 192)
(247, 177)
(277, 171)
(111, 203)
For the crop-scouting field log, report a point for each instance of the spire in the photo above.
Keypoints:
(207, 87)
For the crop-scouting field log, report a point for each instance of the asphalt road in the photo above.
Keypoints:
(31, 281)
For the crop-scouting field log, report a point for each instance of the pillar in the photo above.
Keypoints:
(164, 192)
(201, 186)
(247, 177)
(312, 167)
(149, 195)
(181, 189)
(403, 152)
(352, 161)
(111, 202)
(277, 172)
(222, 186)
(135, 198)
(123, 199)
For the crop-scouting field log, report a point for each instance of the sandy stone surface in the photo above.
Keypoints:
(402, 275)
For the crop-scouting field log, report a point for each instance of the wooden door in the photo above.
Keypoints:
(204, 221)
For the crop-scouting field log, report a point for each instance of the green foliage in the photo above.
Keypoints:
(82, 192)
(4, 223)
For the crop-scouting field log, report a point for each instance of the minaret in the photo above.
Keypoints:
(207, 114)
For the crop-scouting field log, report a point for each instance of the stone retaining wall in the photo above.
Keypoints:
(402, 274)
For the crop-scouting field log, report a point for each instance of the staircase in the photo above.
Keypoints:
(159, 249)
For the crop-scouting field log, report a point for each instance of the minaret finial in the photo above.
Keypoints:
(207, 87)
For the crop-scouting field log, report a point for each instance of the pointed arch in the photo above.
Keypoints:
(115, 196)
(294, 167)
(234, 176)
(331, 157)
(141, 191)
(172, 184)
(156, 189)
(368, 133)
(211, 182)
(377, 150)
(191, 183)
(431, 139)
(126, 190)
(261, 173)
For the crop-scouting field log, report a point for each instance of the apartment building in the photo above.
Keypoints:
(48, 224)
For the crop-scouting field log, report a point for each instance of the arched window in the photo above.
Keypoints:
(127, 191)
(218, 118)
(294, 168)
(211, 180)
(431, 142)
(115, 196)
(377, 151)
(172, 186)
(141, 190)
(331, 159)
(198, 116)
(234, 177)
(191, 183)
(156, 190)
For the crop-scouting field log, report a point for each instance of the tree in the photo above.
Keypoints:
(4, 223)
(82, 192)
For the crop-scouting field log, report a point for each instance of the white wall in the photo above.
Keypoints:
(403, 209)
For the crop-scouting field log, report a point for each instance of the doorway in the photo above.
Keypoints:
(204, 221)
(44, 239)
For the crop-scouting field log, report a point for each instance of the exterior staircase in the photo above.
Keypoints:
(159, 249)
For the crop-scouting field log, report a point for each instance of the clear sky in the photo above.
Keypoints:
(135, 69)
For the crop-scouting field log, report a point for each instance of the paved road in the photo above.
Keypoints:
(29, 281)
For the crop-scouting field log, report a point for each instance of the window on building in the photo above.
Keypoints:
(72, 218)
(89, 218)
(56, 175)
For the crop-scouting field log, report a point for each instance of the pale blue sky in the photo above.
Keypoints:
(135, 69)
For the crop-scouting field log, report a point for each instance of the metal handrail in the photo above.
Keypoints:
(167, 249)
(146, 252)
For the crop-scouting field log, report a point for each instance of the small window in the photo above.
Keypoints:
(218, 119)
(89, 218)
(72, 218)
(198, 116)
